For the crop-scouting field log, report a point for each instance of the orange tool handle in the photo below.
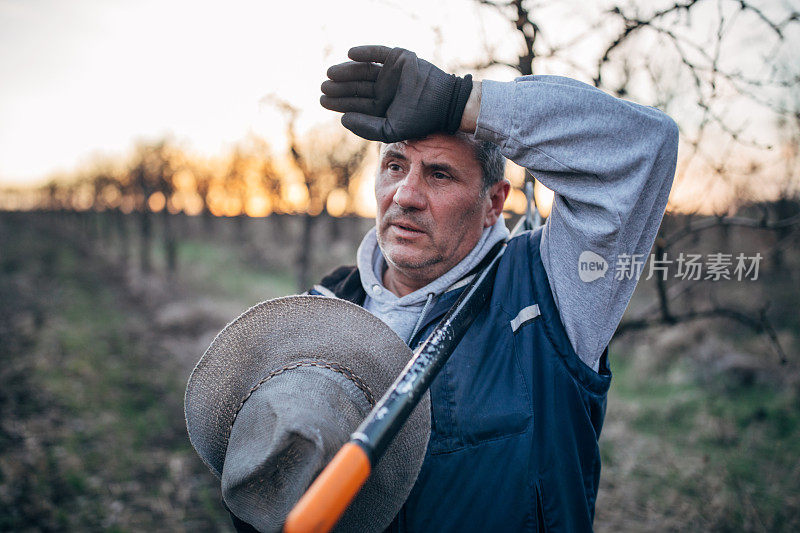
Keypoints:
(329, 495)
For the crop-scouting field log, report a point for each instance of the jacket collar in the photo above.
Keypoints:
(345, 283)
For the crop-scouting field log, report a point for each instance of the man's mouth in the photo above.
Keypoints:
(408, 227)
(405, 229)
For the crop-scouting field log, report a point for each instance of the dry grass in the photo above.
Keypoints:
(702, 430)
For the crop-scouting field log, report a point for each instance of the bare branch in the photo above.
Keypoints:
(759, 323)
(713, 222)
(632, 25)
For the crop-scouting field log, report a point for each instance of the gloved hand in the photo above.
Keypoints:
(405, 98)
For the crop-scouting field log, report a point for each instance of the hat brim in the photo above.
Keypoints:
(292, 329)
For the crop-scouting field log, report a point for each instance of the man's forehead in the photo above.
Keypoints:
(435, 148)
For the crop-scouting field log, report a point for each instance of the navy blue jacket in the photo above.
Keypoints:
(515, 413)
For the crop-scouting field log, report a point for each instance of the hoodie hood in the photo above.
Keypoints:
(371, 264)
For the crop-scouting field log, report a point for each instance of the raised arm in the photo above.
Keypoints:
(610, 163)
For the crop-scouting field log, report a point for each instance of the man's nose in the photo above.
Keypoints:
(410, 191)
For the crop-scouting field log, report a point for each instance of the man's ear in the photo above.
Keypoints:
(496, 197)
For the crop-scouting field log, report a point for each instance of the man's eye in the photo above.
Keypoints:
(394, 167)
(440, 176)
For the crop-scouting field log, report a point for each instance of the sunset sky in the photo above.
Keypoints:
(88, 78)
(92, 76)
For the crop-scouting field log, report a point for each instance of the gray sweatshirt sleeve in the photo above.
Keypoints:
(610, 163)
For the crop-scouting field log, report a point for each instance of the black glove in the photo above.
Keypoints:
(406, 98)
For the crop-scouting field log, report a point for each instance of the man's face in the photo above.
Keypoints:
(431, 210)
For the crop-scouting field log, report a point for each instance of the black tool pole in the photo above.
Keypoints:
(394, 408)
(339, 482)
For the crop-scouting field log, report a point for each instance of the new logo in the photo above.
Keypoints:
(591, 266)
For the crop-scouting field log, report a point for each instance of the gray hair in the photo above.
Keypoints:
(492, 162)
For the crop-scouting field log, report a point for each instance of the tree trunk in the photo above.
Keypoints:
(170, 247)
(124, 240)
(784, 208)
(279, 228)
(304, 254)
(208, 222)
(145, 229)
(241, 228)
(335, 225)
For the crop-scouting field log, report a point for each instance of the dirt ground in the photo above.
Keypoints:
(702, 430)
(92, 435)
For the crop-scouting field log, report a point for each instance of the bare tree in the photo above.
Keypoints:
(326, 163)
(272, 184)
(344, 156)
(107, 193)
(203, 178)
(151, 172)
(235, 183)
(719, 65)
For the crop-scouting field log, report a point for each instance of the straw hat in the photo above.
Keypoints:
(281, 389)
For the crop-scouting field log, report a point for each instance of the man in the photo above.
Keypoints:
(518, 408)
